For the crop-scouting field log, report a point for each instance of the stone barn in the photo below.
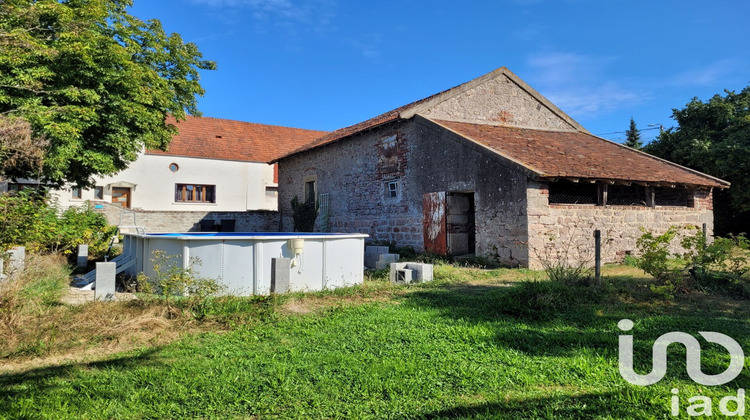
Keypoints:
(489, 168)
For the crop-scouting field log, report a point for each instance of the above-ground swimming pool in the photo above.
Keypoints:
(256, 263)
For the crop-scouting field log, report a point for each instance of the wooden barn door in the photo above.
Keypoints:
(434, 228)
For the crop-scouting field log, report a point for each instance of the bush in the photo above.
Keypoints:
(171, 279)
(28, 219)
(21, 215)
(304, 215)
(720, 266)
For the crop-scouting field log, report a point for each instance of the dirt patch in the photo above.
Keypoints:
(76, 296)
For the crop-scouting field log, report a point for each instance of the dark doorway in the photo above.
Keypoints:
(460, 223)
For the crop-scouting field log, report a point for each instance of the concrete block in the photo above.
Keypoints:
(385, 261)
(280, 274)
(372, 255)
(105, 281)
(17, 260)
(83, 256)
(404, 276)
(377, 249)
(423, 272)
(419, 272)
(394, 267)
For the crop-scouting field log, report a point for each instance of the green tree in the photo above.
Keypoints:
(94, 83)
(634, 136)
(714, 137)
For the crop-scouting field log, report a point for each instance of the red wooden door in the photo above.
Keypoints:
(434, 223)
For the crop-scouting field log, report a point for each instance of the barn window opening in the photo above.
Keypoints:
(310, 192)
(566, 192)
(191, 193)
(665, 196)
(391, 189)
(626, 195)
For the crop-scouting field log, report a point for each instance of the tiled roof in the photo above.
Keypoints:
(365, 125)
(408, 110)
(578, 155)
(215, 138)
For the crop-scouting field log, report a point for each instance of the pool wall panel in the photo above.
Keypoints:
(242, 262)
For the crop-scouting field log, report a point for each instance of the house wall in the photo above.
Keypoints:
(571, 227)
(498, 101)
(240, 186)
(423, 158)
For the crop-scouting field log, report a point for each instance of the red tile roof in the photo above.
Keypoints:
(215, 138)
(408, 110)
(578, 155)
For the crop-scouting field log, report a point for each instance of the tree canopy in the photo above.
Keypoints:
(633, 136)
(94, 84)
(714, 137)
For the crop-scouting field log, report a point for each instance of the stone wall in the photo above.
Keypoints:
(499, 101)
(572, 226)
(423, 158)
(188, 221)
(353, 174)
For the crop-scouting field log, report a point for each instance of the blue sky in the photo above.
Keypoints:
(326, 64)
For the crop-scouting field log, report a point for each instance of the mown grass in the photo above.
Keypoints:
(457, 348)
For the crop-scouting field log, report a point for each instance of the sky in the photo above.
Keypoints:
(327, 64)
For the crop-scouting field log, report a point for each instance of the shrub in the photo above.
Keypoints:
(171, 279)
(27, 218)
(21, 215)
(718, 266)
(304, 215)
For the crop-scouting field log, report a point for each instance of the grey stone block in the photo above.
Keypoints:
(17, 260)
(404, 276)
(419, 272)
(377, 249)
(372, 255)
(423, 272)
(105, 281)
(394, 267)
(83, 256)
(280, 274)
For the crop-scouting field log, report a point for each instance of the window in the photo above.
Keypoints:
(191, 193)
(310, 192)
(75, 193)
(272, 191)
(627, 195)
(99, 193)
(666, 196)
(566, 192)
(391, 189)
(174, 167)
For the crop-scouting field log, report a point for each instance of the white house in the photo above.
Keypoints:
(213, 166)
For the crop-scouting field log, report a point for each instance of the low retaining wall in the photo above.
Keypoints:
(188, 221)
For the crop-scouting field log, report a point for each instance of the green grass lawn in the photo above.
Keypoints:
(457, 348)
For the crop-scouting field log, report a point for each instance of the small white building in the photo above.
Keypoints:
(212, 166)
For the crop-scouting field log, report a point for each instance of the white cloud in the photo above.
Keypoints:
(707, 75)
(578, 83)
(315, 14)
(368, 45)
